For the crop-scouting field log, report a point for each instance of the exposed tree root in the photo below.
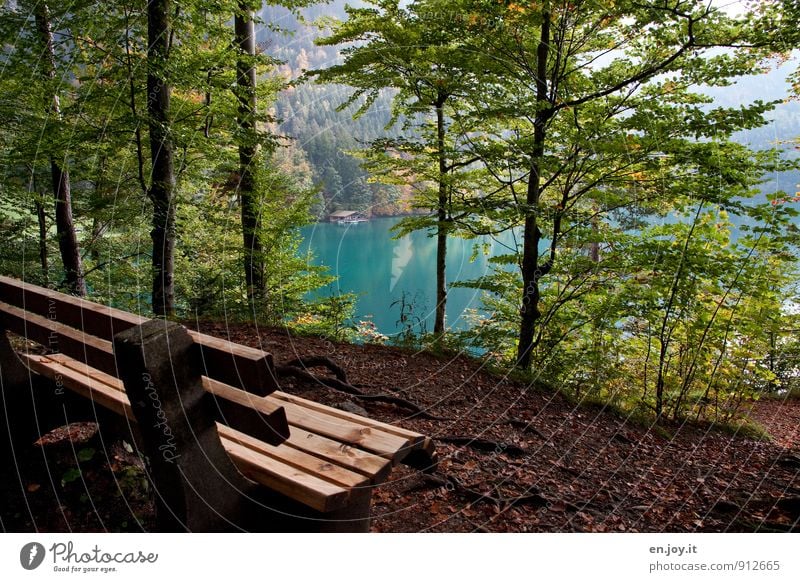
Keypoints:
(453, 484)
(316, 361)
(297, 369)
(525, 426)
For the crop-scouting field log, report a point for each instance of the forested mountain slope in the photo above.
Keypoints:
(323, 138)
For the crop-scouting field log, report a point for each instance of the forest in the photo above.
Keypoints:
(163, 157)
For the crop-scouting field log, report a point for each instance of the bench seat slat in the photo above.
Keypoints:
(300, 460)
(273, 472)
(374, 467)
(91, 388)
(364, 437)
(286, 479)
(409, 435)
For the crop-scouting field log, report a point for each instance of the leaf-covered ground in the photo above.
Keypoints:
(543, 464)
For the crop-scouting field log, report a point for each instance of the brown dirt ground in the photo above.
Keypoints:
(596, 470)
(557, 467)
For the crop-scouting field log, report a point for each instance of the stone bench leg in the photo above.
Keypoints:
(197, 487)
(353, 518)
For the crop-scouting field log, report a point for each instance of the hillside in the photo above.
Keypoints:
(323, 139)
(537, 462)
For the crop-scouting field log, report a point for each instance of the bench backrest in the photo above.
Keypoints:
(84, 330)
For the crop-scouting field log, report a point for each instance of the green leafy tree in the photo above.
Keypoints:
(134, 151)
(413, 52)
(576, 81)
(34, 71)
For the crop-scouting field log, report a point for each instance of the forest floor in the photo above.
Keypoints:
(543, 464)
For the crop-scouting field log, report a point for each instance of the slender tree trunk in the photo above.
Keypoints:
(665, 334)
(42, 218)
(532, 272)
(137, 132)
(597, 332)
(162, 185)
(65, 226)
(662, 354)
(772, 351)
(248, 152)
(441, 225)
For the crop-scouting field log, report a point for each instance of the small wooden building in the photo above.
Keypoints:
(347, 216)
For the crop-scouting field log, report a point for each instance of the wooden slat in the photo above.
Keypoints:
(92, 318)
(347, 432)
(241, 397)
(91, 388)
(241, 366)
(300, 460)
(372, 466)
(93, 373)
(273, 471)
(413, 438)
(287, 480)
(59, 337)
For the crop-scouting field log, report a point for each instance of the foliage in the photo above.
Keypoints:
(330, 316)
(411, 319)
(100, 49)
(650, 272)
(415, 55)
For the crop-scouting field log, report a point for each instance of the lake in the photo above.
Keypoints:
(380, 270)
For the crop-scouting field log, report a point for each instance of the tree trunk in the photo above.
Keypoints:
(665, 335)
(248, 152)
(42, 218)
(97, 232)
(162, 185)
(532, 272)
(65, 226)
(441, 225)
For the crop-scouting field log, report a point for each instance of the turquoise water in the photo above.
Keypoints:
(380, 270)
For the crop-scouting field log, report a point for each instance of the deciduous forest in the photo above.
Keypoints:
(166, 158)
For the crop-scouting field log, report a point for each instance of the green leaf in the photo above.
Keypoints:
(70, 475)
(86, 454)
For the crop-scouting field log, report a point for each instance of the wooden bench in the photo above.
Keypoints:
(225, 448)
